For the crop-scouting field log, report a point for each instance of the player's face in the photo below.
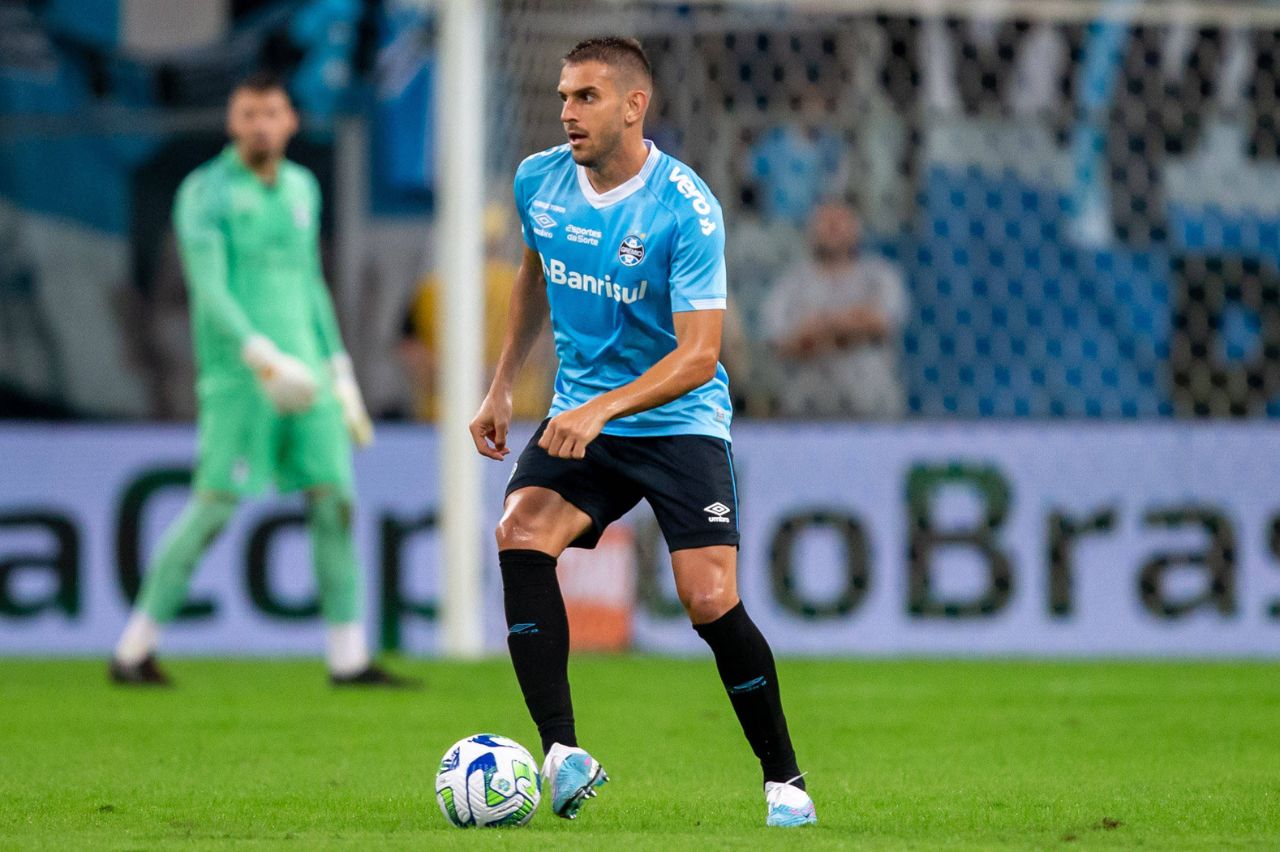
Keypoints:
(261, 123)
(595, 111)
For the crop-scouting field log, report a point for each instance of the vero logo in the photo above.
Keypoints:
(716, 513)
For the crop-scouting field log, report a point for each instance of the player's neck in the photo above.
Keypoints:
(620, 168)
(266, 169)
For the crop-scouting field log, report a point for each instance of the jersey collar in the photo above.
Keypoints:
(623, 190)
(231, 157)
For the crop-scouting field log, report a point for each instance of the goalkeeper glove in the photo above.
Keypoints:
(286, 380)
(347, 391)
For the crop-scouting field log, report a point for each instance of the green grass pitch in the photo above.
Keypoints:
(900, 755)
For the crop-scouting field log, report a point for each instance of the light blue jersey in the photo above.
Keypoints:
(618, 265)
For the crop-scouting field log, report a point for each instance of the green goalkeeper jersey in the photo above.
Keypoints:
(252, 260)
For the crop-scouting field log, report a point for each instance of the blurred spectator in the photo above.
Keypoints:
(834, 320)
(420, 348)
(799, 163)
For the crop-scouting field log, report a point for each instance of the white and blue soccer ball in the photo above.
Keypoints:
(488, 781)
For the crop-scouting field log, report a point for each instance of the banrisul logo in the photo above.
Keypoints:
(631, 252)
(557, 273)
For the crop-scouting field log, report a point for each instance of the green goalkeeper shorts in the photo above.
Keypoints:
(244, 445)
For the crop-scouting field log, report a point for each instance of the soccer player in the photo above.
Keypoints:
(277, 394)
(625, 253)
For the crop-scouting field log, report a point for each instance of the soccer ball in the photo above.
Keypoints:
(488, 781)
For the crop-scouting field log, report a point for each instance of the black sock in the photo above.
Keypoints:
(538, 638)
(746, 668)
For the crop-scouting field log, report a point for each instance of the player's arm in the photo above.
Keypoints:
(690, 365)
(203, 246)
(526, 316)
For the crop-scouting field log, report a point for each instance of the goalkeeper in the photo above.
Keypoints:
(277, 396)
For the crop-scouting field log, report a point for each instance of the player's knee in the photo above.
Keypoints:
(708, 603)
(517, 531)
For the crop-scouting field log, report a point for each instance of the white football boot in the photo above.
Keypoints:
(788, 806)
(572, 776)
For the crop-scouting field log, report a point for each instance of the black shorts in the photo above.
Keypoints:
(687, 479)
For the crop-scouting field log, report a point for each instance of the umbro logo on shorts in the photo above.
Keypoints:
(716, 513)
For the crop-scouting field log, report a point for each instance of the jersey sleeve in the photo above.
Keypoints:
(202, 241)
(326, 321)
(522, 209)
(698, 281)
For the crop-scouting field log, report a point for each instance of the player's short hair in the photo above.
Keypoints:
(614, 51)
(261, 82)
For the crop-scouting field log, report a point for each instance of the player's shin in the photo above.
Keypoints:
(338, 576)
(538, 638)
(164, 588)
(747, 670)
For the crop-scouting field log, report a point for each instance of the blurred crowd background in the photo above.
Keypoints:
(996, 212)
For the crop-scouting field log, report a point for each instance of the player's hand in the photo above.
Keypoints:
(286, 380)
(354, 413)
(567, 435)
(489, 426)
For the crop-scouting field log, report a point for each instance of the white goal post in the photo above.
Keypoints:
(461, 136)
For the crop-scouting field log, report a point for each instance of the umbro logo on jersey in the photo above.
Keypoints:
(716, 513)
(543, 222)
(631, 252)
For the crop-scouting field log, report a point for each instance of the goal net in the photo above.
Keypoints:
(1077, 203)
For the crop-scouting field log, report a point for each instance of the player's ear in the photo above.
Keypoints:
(637, 102)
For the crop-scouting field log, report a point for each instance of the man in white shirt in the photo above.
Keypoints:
(834, 319)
